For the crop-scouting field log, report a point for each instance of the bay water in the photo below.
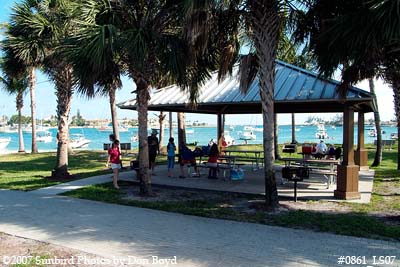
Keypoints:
(201, 135)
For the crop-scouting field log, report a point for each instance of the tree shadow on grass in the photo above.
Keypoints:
(32, 171)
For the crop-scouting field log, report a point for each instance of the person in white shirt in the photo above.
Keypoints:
(321, 149)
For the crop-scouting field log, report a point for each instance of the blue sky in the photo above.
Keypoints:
(99, 106)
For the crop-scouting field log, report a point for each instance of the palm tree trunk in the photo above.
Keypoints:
(378, 153)
(266, 23)
(142, 99)
(181, 128)
(396, 91)
(20, 134)
(32, 84)
(276, 144)
(114, 117)
(64, 93)
(161, 120)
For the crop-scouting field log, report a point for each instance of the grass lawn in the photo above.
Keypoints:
(30, 171)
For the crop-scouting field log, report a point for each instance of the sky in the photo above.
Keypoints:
(98, 107)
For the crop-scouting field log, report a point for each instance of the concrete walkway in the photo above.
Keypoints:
(120, 231)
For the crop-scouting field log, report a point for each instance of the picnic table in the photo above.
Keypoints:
(246, 155)
(325, 167)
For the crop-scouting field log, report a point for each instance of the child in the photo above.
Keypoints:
(171, 156)
(212, 162)
(114, 157)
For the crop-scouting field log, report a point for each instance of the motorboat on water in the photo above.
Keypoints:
(78, 141)
(248, 128)
(247, 135)
(4, 142)
(189, 131)
(394, 136)
(44, 136)
(321, 132)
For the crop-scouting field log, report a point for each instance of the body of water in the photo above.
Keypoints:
(200, 135)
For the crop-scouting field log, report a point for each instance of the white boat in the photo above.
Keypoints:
(247, 135)
(40, 128)
(321, 132)
(258, 129)
(10, 129)
(134, 138)
(44, 136)
(105, 129)
(394, 136)
(248, 128)
(78, 141)
(189, 131)
(372, 133)
(228, 139)
(4, 142)
(297, 129)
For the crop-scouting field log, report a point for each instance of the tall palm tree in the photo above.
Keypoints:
(37, 27)
(147, 37)
(262, 22)
(18, 86)
(28, 49)
(362, 35)
(94, 51)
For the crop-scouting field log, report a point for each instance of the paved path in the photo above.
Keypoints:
(120, 231)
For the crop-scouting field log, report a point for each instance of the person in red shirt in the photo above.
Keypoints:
(114, 158)
(212, 161)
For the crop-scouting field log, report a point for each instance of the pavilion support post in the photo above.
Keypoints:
(220, 125)
(361, 154)
(293, 129)
(347, 172)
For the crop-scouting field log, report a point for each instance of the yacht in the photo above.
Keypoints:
(78, 141)
(321, 132)
(44, 136)
(4, 142)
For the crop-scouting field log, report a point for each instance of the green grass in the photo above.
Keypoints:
(353, 224)
(31, 171)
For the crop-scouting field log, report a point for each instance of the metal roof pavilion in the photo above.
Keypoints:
(296, 91)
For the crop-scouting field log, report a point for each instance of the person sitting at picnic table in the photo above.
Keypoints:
(187, 156)
(331, 152)
(321, 150)
(212, 162)
(338, 152)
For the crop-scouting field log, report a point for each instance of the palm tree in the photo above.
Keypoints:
(94, 52)
(37, 27)
(361, 35)
(17, 86)
(147, 37)
(262, 22)
(28, 50)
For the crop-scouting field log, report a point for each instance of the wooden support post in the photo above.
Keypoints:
(347, 172)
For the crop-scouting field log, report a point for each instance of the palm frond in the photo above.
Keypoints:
(247, 72)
